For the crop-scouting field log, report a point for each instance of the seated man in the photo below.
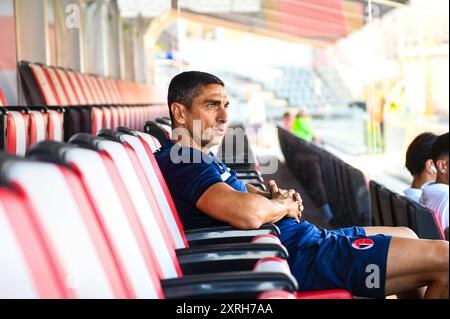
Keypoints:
(420, 164)
(368, 262)
(435, 196)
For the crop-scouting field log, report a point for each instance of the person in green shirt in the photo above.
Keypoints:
(302, 127)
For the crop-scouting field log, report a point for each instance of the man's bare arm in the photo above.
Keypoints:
(246, 210)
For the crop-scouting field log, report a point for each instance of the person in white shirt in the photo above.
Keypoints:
(435, 196)
(420, 164)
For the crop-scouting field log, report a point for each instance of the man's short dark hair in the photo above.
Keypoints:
(440, 147)
(186, 86)
(419, 152)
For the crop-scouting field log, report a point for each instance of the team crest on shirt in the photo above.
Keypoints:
(363, 244)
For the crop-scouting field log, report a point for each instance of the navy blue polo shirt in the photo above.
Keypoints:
(189, 173)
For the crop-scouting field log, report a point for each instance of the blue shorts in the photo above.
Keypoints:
(344, 259)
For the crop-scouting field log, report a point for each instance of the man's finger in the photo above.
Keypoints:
(298, 198)
(273, 188)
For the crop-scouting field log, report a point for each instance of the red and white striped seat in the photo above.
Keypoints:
(26, 271)
(56, 93)
(38, 127)
(2, 99)
(57, 87)
(17, 123)
(97, 120)
(55, 126)
(150, 142)
(76, 87)
(90, 266)
(15, 139)
(132, 187)
(44, 83)
(117, 215)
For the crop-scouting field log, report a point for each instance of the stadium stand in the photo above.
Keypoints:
(310, 88)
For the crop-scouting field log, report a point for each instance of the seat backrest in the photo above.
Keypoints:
(26, 270)
(387, 216)
(98, 89)
(154, 130)
(2, 98)
(376, 214)
(44, 84)
(97, 120)
(55, 126)
(117, 216)
(427, 225)
(359, 197)
(17, 123)
(76, 87)
(400, 211)
(57, 87)
(71, 95)
(38, 126)
(145, 204)
(157, 183)
(65, 217)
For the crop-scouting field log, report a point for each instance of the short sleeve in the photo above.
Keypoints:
(192, 180)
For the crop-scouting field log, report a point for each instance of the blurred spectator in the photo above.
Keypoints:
(435, 196)
(420, 164)
(288, 120)
(302, 126)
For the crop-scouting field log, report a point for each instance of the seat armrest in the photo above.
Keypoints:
(226, 258)
(228, 285)
(227, 234)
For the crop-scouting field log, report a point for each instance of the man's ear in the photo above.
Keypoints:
(179, 113)
(429, 166)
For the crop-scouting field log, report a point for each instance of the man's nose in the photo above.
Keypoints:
(222, 117)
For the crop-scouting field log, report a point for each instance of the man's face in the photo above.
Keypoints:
(207, 119)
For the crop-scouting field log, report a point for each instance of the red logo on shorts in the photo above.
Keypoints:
(363, 244)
